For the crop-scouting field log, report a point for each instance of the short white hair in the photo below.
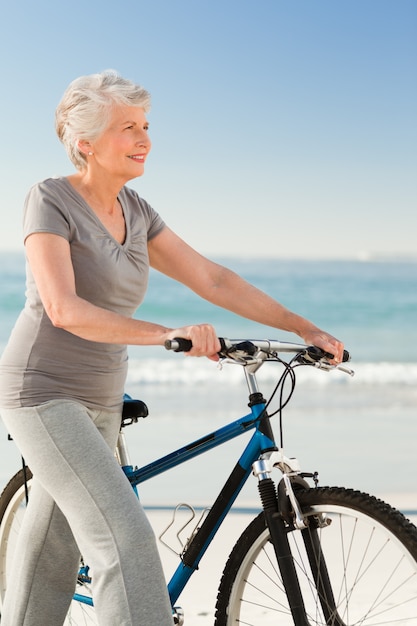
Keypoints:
(85, 108)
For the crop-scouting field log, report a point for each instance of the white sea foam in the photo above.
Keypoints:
(186, 371)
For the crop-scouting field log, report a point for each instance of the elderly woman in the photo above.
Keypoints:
(89, 244)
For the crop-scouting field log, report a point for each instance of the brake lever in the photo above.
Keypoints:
(322, 364)
(236, 359)
(346, 370)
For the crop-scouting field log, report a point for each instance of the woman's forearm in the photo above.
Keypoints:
(230, 291)
(93, 323)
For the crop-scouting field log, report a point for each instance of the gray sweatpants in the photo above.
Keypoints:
(80, 502)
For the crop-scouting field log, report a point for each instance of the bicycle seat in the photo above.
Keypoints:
(133, 410)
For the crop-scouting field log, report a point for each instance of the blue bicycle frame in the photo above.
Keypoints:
(261, 441)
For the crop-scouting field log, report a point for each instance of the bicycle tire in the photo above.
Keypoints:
(12, 509)
(370, 551)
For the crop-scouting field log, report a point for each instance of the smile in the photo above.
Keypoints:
(137, 157)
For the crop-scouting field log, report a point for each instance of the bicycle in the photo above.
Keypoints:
(313, 556)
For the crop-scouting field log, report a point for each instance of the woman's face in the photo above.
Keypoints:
(121, 150)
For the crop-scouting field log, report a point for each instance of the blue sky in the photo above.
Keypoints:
(279, 128)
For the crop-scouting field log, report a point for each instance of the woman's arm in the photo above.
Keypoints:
(50, 261)
(219, 285)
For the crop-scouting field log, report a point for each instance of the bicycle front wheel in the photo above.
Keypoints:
(13, 502)
(366, 549)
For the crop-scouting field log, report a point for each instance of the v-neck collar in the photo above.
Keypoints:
(92, 213)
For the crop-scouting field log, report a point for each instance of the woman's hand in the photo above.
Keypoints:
(328, 343)
(203, 337)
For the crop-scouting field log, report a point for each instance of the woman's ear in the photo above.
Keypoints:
(84, 147)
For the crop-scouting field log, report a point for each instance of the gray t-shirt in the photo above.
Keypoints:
(41, 362)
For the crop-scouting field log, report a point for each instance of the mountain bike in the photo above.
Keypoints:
(313, 556)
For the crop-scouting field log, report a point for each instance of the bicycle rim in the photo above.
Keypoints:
(372, 572)
(80, 613)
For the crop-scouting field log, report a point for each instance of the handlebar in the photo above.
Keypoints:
(249, 347)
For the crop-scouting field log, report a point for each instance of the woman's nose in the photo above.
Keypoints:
(143, 139)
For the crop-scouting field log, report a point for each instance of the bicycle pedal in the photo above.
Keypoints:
(178, 615)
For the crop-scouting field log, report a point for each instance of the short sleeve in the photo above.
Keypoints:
(44, 212)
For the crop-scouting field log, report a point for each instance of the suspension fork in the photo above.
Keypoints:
(279, 536)
(290, 511)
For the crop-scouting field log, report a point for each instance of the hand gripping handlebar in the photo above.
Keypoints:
(310, 354)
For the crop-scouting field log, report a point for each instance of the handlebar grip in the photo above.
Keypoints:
(345, 358)
(179, 344)
(317, 353)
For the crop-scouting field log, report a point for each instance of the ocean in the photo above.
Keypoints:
(356, 431)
